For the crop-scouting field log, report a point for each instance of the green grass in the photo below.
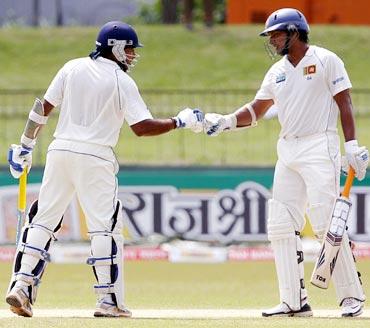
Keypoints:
(227, 57)
(162, 285)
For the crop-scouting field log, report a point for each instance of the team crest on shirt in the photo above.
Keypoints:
(280, 78)
(309, 70)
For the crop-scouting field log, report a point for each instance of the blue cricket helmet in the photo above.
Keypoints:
(112, 32)
(117, 30)
(285, 19)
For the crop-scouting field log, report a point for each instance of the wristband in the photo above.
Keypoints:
(28, 142)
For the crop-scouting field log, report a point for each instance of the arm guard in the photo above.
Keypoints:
(250, 109)
(231, 120)
(36, 120)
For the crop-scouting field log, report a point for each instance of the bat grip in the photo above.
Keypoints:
(349, 182)
(22, 190)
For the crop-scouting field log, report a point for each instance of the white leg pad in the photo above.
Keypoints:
(345, 276)
(107, 261)
(32, 254)
(288, 255)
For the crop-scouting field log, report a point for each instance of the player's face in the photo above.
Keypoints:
(277, 40)
(130, 55)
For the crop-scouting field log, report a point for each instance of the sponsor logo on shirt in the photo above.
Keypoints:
(309, 70)
(339, 79)
(280, 78)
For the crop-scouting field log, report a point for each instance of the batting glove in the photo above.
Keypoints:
(214, 123)
(190, 119)
(357, 157)
(19, 157)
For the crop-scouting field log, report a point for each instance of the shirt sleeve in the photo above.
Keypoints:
(266, 91)
(54, 93)
(336, 74)
(133, 105)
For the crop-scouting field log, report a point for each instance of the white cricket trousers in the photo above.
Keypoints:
(307, 173)
(88, 171)
(307, 177)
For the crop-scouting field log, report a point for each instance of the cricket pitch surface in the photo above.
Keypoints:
(173, 313)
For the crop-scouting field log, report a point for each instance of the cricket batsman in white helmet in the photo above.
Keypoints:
(95, 95)
(310, 87)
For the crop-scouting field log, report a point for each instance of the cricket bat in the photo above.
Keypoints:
(333, 238)
(21, 213)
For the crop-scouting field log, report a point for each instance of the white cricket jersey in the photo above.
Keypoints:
(304, 94)
(95, 98)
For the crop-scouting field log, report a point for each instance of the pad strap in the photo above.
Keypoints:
(99, 233)
(41, 254)
(27, 278)
(104, 289)
(41, 227)
(96, 261)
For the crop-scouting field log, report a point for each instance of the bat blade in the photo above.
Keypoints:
(331, 245)
(332, 241)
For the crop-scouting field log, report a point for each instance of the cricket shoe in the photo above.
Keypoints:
(106, 309)
(352, 307)
(283, 310)
(19, 302)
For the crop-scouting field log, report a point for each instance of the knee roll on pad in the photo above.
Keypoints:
(107, 260)
(33, 251)
(280, 222)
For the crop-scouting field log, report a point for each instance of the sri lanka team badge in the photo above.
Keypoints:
(309, 70)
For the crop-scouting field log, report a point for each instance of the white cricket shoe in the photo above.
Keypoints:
(352, 307)
(106, 309)
(19, 302)
(283, 310)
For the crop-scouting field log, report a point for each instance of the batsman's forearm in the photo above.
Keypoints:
(344, 102)
(250, 113)
(348, 125)
(153, 127)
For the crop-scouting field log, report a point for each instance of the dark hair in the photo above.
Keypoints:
(303, 36)
(100, 52)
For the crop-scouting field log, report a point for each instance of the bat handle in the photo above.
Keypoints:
(22, 190)
(22, 201)
(349, 182)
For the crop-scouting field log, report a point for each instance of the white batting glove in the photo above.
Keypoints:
(214, 123)
(357, 157)
(190, 119)
(19, 157)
